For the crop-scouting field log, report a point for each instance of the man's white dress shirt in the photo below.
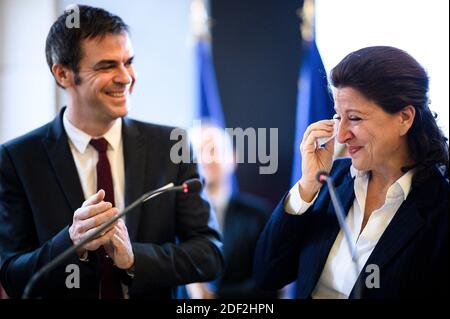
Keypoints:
(86, 158)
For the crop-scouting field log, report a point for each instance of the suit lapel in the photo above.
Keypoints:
(57, 146)
(135, 152)
(403, 226)
(401, 229)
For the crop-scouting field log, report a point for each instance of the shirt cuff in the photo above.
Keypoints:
(85, 256)
(131, 272)
(294, 204)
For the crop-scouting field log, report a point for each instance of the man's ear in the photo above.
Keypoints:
(63, 75)
(407, 115)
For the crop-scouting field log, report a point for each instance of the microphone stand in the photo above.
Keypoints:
(324, 177)
(51, 265)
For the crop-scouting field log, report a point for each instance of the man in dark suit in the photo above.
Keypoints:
(241, 217)
(61, 182)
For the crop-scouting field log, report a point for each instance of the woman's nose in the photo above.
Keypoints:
(343, 133)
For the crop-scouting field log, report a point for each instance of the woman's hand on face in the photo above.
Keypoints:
(315, 158)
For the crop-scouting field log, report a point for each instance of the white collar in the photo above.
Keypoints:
(81, 139)
(404, 182)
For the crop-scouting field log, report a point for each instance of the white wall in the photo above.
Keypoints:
(419, 27)
(27, 90)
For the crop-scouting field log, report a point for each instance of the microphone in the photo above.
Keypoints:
(324, 177)
(321, 176)
(193, 185)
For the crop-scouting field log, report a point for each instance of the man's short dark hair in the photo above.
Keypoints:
(63, 45)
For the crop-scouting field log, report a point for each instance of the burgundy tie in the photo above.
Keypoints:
(110, 287)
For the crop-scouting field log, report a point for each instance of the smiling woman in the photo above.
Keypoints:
(371, 135)
(394, 188)
(389, 91)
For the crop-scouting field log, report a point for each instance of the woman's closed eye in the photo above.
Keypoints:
(354, 118)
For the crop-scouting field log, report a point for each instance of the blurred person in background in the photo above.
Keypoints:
(241, 217)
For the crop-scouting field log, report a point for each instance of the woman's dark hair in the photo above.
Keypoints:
(63, 45)
(393, 79)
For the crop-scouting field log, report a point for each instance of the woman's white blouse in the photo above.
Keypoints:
(338, 276)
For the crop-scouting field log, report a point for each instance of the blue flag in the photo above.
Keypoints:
(209, 106)
(314, 101)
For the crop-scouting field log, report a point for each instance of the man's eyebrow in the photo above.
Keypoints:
(108, 63)
(104, 63)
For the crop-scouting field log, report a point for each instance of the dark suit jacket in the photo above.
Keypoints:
(412, 253)
(174, 237)
(245, 218)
